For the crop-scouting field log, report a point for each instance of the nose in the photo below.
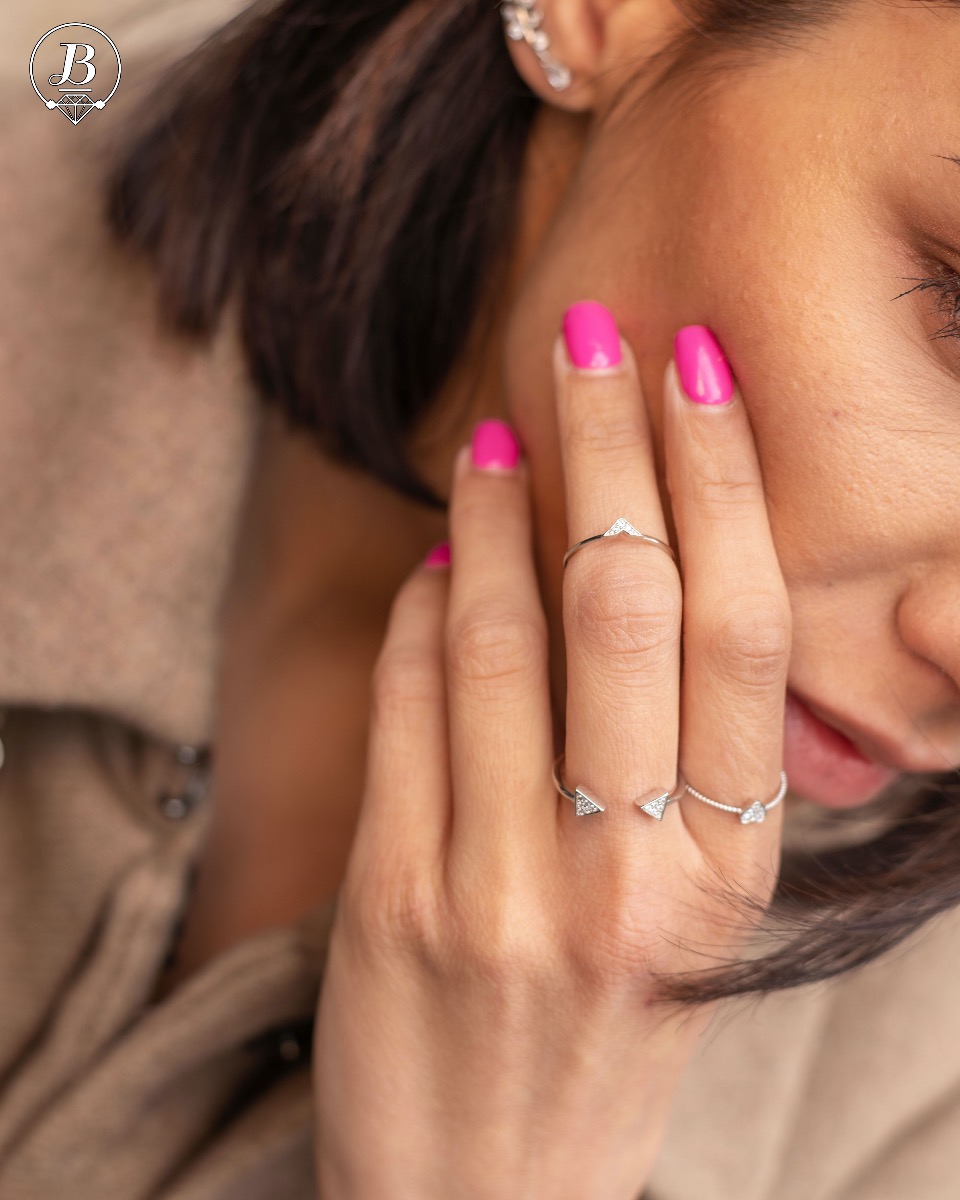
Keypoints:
(928, 623)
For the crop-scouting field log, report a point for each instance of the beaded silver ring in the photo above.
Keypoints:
(755, 813)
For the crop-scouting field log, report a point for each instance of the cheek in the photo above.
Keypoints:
(857, 455)
(759, 236)
(825, 384)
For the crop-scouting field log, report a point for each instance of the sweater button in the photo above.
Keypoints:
(290, 1043)
(289, 1048)
(175, 805)
(174, 808)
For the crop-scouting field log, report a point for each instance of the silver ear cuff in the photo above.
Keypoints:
(522, 19)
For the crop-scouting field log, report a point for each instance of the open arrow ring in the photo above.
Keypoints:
(653, 802)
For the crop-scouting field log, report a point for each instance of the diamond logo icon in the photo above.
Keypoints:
(586, 804)
(75, 67)
(75, 106)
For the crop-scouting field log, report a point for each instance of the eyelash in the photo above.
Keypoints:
(947, 289)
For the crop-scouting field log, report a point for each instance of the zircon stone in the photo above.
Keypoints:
(558, 77)
(586, 804)
(656, 807)
(755, 813)
(621, 525)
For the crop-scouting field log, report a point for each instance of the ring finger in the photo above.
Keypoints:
(736, 621)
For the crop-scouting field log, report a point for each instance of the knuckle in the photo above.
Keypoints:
(475, 503)
(623, 618)
(751, 643)
(402, 681)
(470, 503)
(618, 434)
(615, 952)
(507, 960)
(718, 493)
(392, 905)
(487, 646)
(508, 942)
(510, 965)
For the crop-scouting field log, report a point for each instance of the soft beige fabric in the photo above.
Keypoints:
(113, 552)
(123, 461)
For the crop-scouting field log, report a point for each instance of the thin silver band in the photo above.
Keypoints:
(653, 802)
(621, 525)
(753, 813)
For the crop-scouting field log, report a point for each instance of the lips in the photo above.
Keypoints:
(825, 767)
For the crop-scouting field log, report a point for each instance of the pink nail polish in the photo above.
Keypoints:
(704, 371)
(439, 556)
(591, 334)
(494, 444)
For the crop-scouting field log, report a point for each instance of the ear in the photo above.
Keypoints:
(598, 41)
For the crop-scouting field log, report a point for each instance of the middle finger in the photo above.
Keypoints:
(621, 596)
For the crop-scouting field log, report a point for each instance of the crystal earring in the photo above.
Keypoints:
(523, 19)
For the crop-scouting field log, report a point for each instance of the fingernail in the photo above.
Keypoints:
(704, 371)
(591, 335)
(494, 444)
(439, 556)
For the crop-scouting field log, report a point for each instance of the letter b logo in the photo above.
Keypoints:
(77, 75)
(69, 59)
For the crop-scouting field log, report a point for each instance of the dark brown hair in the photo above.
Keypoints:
(346, 172)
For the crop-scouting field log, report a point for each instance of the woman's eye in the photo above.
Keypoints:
(946, 291)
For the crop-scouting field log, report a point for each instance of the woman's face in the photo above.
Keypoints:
(785, 207)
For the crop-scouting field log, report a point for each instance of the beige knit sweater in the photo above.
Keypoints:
(123, 463)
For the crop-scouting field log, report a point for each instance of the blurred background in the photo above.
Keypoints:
(26, 21)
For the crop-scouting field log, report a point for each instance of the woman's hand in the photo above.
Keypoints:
(486, 1027)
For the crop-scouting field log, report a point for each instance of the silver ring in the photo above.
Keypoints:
(621, 525)
(755, 813)
(653, 802)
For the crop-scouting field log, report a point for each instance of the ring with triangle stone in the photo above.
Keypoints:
(653, 803)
